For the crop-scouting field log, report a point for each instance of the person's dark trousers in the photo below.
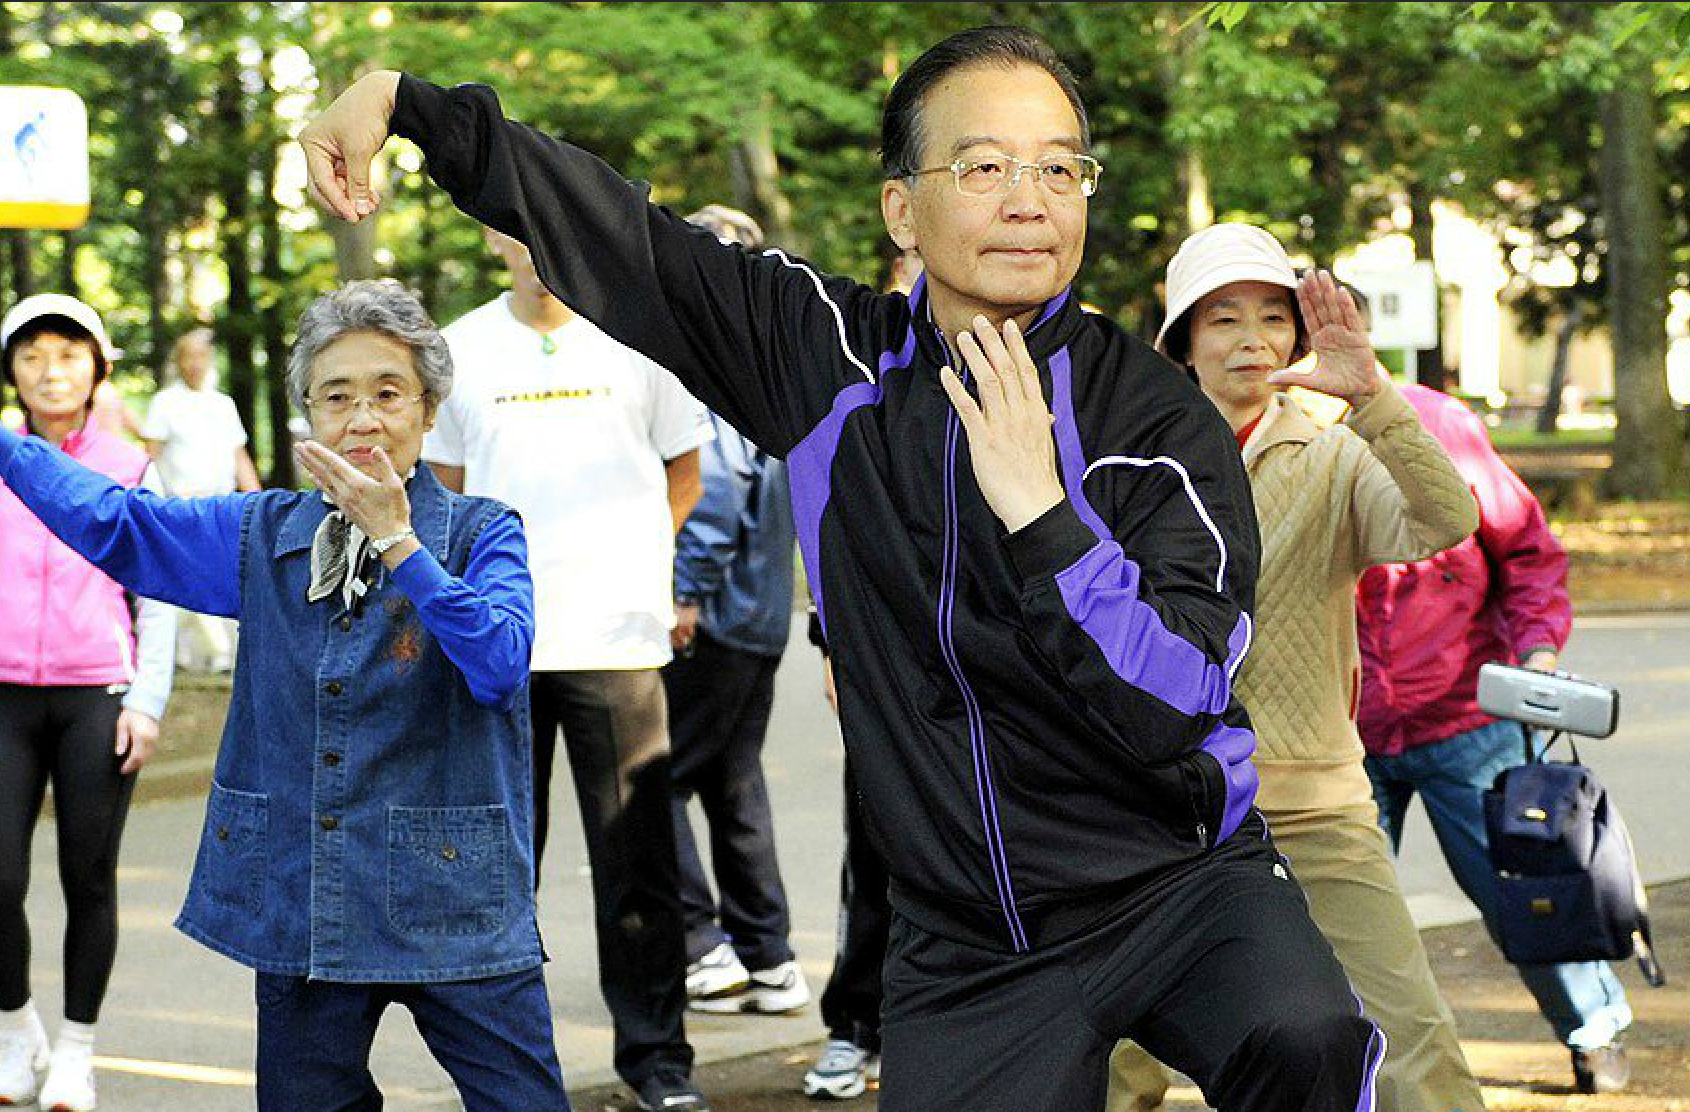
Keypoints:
(63, 735)
(851, 1001)
(616, 735)
(719, 704)
(1214, 968)
(493, 1036)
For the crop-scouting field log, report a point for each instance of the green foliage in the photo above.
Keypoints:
(1323, 121)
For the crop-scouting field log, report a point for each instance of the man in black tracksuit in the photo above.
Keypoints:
(1034, 570)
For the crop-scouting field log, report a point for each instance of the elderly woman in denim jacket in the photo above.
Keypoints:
(366, 840)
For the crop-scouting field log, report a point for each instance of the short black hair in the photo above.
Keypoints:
(53, 323)
(901, 136)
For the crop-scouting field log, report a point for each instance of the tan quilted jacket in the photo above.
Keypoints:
(1374, 489)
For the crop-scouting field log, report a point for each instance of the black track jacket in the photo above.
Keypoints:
(1040, 722)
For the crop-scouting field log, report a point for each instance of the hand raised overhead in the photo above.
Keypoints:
(341, 143)
(1009, 429)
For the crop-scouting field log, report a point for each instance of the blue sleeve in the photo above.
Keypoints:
(705, 546)
(484, 621)
(184, 551)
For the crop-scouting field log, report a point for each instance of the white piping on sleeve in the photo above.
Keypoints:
(1208, 523)
(838, 317)
(1190, 492)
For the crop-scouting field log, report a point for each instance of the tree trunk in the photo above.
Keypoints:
(1646, 436)
(1550, 414)
(67, 263)
(756, 177)
(1429, 368)
(1190, 176)
(237, 328)
(20, 262)
(273, 328)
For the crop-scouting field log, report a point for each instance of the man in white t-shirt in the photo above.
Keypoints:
(195, 435)
(596, 447)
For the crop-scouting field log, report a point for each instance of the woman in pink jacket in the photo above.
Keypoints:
(80, 703)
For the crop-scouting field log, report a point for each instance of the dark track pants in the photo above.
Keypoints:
(616, 736)
(720, 699)
(851, 1001)
(1217, 970)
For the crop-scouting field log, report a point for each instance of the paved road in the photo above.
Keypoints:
(177, 1029)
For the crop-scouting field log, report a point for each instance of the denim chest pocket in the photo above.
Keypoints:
(235, 849)
(446, 869)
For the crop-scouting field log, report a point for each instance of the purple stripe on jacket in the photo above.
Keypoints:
(1233, 748)
(1100, 591)
(809, 465)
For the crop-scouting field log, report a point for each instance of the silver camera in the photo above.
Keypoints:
(1549, 700)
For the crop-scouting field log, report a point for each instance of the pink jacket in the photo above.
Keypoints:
(62, 622)
(1425, 628)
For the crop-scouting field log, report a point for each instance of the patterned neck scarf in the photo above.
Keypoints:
(337, 557)
(339, 551)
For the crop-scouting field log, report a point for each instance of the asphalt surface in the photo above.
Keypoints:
(177, 1030)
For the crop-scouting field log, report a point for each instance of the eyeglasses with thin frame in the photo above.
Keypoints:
(990, 175)
(389, 401)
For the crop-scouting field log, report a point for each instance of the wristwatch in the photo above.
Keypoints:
(380, 545)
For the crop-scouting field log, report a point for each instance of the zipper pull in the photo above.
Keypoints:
(1203, 835)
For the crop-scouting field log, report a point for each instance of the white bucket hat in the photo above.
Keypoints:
(56, 305)
(1218, 256)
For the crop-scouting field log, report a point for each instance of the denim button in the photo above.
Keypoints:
(222, 833)
(328, 822)
(331, 759)
(450, 853)
(334, 687)
(345, 624)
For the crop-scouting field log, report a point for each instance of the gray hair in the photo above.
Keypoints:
(372, 305)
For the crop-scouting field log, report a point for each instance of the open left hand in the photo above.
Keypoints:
(1344, 365)
(1009, 437)
(137, 735)
(378, 505)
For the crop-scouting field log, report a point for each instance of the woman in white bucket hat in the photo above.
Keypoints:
(1332, 499)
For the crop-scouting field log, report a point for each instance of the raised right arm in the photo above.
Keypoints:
(184, 551)
(759, 337)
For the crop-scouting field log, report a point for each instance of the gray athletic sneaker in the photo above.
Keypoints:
(841, 1071)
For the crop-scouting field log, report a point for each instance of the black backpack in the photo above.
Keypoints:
(1567, 882)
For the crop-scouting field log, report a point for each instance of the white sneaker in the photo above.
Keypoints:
(69, 1086)
(774, 991)
(841, 1071)
(22, 1055)
(717, 973)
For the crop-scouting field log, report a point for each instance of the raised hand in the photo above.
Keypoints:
(341, 143)
(376, 504)
(1009, 437)
(1344, 364)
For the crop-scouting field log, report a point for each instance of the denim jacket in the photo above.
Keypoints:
(370, 818)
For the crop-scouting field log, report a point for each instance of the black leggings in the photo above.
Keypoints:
(65, 734)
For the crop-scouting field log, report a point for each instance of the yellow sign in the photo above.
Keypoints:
(43, 158)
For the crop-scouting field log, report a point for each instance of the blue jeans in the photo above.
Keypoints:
(1583, 1001)
(493, 1036)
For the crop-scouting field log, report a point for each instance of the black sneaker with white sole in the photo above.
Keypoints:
(668, 1092)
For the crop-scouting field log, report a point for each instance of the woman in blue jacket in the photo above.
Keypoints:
(366, 840)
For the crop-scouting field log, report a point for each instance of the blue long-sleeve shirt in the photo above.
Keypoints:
(186, 551)
(734, 554)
